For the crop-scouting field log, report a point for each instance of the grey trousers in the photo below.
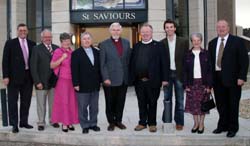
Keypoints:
(88, 108)
(41, 99)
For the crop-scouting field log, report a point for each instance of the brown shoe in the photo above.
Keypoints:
(111, 127)
(179, 127)
(140, 127)
(152, 129)
(120, 125)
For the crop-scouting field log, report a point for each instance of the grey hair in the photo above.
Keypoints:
(45, 30)
(86, 33)
(115, 24)
(64, 36)
(196, 34)
(147, 25)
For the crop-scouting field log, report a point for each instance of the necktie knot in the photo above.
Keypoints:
(222, 39)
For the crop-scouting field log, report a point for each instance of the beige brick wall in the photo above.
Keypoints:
(3, 30)
(60, 19)
(156, 17)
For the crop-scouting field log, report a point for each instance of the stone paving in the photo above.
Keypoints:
(128, 137)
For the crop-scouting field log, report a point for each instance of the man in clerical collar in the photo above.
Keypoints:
(114, 58)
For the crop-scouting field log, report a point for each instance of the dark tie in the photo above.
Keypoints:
(221, 50)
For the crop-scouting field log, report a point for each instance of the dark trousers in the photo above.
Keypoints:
(227, 101)
(25, 91)
(115, 99)
(147, 101)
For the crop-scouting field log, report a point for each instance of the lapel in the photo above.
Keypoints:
(177, 48)
(19, 48)
(124, 48)
(45, 49)
(214, 45)
(111, 45)
(228, 44)
(86, 56)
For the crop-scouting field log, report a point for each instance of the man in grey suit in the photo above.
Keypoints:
(114, 59)
(41, 73)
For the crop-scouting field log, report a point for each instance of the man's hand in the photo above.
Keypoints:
(6, 81)
(107, 82)
(164, 83)
(187, 89)
(77, 88)
(39, 86)
(240, 82)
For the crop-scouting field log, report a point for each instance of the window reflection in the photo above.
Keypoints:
(107, 4)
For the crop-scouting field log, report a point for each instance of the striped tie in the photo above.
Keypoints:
(50, 49)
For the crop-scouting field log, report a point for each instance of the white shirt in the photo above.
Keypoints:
(197, 65)
(89, 53)
(171, 45)
(217, 50)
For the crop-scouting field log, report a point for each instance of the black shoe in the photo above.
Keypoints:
(27, 126)
(72, 128)
(194, 130)
(218, 131)
(15, 129)
(111, 127)
(40, 128)
(85, 130)
(120, 125)
(200, 131)
(64, 130)
(231, 134)
(55, 125)
(95, 128)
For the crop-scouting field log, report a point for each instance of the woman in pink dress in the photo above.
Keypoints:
(64, 108)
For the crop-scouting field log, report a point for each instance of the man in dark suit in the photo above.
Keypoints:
(177, 48)
(229, 64)
(149, 67)
(114, 58)
(86, 77)
(41, 74)
(17, 77)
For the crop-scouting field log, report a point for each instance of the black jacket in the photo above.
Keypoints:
(235, 62)
(158, 67)
(13, 65)
(84, 74)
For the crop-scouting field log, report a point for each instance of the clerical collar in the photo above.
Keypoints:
(147, 41)
(115, 40)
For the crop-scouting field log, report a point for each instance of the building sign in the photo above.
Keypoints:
(108, 16)
(107, 11)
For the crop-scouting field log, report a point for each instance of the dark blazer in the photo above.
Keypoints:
(84, 74)
(158, 67)
(235, 62)
(181, 48)
(113, 67)
(40, 65)
(13, 65)
(206, 69)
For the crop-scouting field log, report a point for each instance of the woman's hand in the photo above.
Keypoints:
(187, 89)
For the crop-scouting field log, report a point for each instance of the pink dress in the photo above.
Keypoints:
(65, 108)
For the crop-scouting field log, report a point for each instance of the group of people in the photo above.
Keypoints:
(148, 66)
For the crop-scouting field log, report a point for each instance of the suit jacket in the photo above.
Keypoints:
(234, 64)
(40, 65)
(181, 48)
(206, 68)
(113, 67)
(84, 74)
(13, 65)
(158, 67)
